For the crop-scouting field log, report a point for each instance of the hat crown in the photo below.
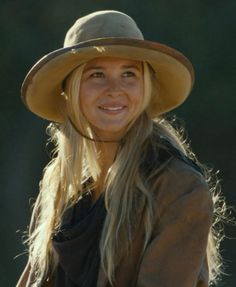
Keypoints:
(102, 24)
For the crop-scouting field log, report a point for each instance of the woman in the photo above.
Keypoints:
(123, 201)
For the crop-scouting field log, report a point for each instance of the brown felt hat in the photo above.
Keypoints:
(106, 34)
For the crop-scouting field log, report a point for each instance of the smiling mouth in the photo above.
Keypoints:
(112, 109)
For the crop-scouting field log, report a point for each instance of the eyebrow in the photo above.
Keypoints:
(132, 67)
(102, 68)
(92, 68)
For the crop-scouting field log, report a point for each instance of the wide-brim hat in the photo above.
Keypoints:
(106, 34)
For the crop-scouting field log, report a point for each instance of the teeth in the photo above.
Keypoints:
(112, 108)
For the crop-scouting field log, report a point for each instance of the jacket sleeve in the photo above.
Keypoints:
(176, 254)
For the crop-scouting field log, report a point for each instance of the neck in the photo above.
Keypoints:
(107, 152)
(107, 156)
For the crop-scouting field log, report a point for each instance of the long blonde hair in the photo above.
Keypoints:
(75, 160)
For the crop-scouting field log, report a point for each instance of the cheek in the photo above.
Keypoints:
(138, 96)
(85, 96)
(89, 93)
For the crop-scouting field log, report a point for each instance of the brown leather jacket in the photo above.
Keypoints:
(176, 254)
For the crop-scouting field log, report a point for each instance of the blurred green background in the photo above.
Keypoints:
(204, 30)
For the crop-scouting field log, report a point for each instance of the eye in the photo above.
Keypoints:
(129, 74)
(97, 75)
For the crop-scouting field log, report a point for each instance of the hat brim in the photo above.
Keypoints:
(42, 87)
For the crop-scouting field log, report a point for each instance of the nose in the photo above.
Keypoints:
(114, 87)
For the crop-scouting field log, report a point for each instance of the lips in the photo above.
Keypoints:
(112, 108)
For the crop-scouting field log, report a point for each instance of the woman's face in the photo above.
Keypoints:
(111, 95)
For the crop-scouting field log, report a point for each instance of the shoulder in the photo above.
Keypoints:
(176, 173)
(180, 188)
(164, 162)
(182, 172)
(171, 175)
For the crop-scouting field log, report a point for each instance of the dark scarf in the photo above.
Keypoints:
(77, 243)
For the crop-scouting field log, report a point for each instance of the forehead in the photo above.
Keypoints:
(104, 62)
